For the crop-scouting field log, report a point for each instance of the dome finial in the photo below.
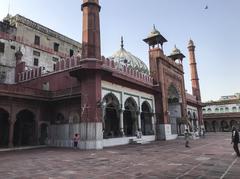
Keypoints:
(190, 43)
(122, 42)
(154, 27)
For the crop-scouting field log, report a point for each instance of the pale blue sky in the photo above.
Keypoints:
(215, 31)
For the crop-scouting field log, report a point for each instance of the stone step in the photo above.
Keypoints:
(138, 141)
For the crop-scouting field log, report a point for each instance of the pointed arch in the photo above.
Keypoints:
(4, 127)
(130, 116)
(146, 119)
(24, 128)
(111, 118)
(130, 104)
(173, 94)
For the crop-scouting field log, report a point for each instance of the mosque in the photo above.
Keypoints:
(105, 100)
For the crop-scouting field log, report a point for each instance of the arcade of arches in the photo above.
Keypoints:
(221, 125)
(21, 132)
(125, 122)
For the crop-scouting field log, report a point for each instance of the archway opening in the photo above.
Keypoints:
(24, 129)
(111, 117)
(190, 118)
(214, 126)
(224, 126)
(146, 119)
(111, 122)
(195, 125)
(206, 126)
(130, 117)
(174, 109)
(234, 123)
(43, 134)
(4, 128)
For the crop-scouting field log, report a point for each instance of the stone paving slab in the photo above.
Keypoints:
(208, 158)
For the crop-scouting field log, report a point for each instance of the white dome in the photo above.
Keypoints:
(126, 58)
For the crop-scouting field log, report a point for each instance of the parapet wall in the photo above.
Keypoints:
(73, 62)
(127, 71)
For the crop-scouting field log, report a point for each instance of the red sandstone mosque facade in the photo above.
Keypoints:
(105, 100)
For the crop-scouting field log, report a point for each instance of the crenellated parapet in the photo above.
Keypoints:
(126, 71)
(30, 74)
(62, 65)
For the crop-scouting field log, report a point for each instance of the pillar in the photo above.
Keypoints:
(121, 123)
(11, 132)
(153, 123)
(139, 120)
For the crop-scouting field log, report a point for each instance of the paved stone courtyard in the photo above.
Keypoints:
(211, 157)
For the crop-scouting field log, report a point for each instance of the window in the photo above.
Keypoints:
(37, 40)
(216, 110)
(12, 47)
(234, 109)
(54, 59)
(56, 47)
(221, 110)
(71, 52)
(36, 53)
(35, 62)
(209, 110)
(226, 109)
(2, 47)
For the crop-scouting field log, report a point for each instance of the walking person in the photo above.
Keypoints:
(75, 141)
(235, 140)
(187, 136)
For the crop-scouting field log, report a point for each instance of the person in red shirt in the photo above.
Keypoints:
(75, 140)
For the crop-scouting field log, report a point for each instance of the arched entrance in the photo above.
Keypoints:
(24, 129)
(174, 108)
(111, 116)
(130, 117)
(146, 119)
(195, 125)
(233, 123)
(190, 118)
(206, 126)
(214, 126)
(43, 134)
(224, 126)
(4, 128)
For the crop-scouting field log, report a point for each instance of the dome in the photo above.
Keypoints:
(190, 43)
(176, 51)
(126, 58)
(154, 32)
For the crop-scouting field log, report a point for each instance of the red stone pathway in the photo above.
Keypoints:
(208, 158)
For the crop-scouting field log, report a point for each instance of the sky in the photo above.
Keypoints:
(215, 32)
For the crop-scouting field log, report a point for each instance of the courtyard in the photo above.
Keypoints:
(209, 157)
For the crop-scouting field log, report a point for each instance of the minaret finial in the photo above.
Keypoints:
(8, 7)
(122, 42)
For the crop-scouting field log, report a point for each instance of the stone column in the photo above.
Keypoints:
(139, 120)
(153, 123)
(121, 122)
(10, 134)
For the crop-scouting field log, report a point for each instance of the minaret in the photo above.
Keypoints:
(194, 73)
(91, 45)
